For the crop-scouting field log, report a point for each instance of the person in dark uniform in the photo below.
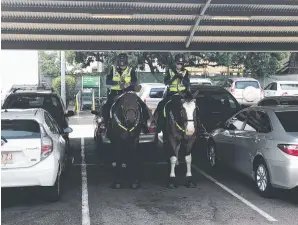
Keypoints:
(177, 80)
(121, 78)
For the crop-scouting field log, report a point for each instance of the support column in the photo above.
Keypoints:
(63, 85)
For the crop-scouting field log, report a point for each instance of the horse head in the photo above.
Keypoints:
(184, 111)
(127, 111)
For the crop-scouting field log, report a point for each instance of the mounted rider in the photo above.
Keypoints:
(177, 80)
(121, 78)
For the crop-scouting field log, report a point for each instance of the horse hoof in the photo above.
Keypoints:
(172, 183)
(116, 185)
(135, 185)
(189, 183)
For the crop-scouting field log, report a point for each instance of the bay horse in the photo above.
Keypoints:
(124, 131)
(180, 131)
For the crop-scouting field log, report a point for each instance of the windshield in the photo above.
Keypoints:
(245, 84)
(288, 120)
(289, 87)
(20, 129)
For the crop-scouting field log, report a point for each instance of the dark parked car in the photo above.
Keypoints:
(216, 105)
(279, 100)
(35, 96)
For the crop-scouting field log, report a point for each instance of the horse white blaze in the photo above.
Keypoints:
(188, 160)
(190, 108)
(173, 160)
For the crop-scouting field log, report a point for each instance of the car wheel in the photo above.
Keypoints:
(211, 155)
(262, 180)
(53, 194)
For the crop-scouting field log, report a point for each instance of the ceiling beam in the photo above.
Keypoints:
(198, 20)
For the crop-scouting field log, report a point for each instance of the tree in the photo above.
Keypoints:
(70, 83)
(261, 64)
(293, 63)
(50, 63)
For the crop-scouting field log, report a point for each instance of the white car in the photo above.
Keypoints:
(151, 94)
(200, 81)
(32, 150)
(247, 91)
(281, 88)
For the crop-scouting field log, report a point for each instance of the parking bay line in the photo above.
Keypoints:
(85, 204)
(243, 200)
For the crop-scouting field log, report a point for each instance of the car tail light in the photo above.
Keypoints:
(46, 144)
(145, 100)
(285, 93)
(232, 90)
(152, 127)
(262, 93)
(289, 149)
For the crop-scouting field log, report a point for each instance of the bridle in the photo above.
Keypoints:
(125, 117)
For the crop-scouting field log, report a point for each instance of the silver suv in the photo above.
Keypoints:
(151, 94)
(247, 91)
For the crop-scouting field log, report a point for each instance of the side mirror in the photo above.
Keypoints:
(69, 113)
(67, 130)
(138, 88)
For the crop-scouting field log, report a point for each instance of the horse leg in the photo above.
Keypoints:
(135, 165)
(173, 162)
(116, 166)
(189, 181)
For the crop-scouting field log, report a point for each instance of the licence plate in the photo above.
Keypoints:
(6, 158)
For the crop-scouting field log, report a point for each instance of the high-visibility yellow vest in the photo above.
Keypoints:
(177, 85)
(117, 77)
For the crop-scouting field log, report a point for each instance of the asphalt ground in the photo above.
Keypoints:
(222, 196)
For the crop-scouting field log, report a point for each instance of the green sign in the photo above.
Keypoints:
(90, 81)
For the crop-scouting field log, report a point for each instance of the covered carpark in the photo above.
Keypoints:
(222, 196)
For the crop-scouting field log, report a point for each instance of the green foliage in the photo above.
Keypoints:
(70, 86)
(50, 63)
(257, 64)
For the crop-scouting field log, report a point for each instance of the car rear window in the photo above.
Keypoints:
(216, 102)
(27, 102)
(20, 129)
(289, 87)
(288, 120)
(154, 91)
(245, 84)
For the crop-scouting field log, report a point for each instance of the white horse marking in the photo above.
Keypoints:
(114, 164)
(188, 160)
(173, 160)
(190, 108)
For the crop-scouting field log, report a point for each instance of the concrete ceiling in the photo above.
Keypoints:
(156, 25)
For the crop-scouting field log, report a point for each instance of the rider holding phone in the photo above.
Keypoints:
(177, 80)
(121, 78)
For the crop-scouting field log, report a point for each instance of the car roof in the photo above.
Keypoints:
(32, 92)
(15, 114)
(152, 84)
(280, 98)
(242, 79)
(206, 88)
(276, 108)
(286, 82)
(200, 78)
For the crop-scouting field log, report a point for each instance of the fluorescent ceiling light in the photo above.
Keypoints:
(230, 17)
(112, 16)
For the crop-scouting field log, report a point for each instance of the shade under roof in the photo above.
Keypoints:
(156, 25)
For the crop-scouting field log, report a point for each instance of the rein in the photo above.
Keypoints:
(173, 119)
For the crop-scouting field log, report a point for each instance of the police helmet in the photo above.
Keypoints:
(122, 60)
(179, 59)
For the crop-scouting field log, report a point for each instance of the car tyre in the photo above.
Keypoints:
(53, 193)
(211, 155)
(262, 180)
